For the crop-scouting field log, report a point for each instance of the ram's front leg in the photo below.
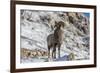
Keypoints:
(54, 52)
(59, 50)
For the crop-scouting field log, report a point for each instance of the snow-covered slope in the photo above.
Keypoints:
(37, 25)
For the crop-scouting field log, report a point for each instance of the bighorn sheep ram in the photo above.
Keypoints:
(55, 40)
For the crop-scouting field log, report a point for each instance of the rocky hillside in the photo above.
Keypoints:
(37, 25)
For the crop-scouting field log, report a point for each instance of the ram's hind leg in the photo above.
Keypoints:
(48, 52)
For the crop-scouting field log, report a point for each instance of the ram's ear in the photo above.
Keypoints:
(56, 22)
